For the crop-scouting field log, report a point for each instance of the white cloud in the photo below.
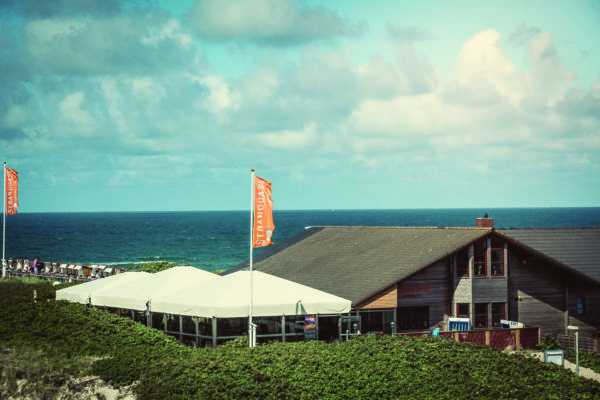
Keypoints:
(16, 116)
(220, 99)
(284, 139)
(145, 43)
(73, 118)
(482, 60)
(273, 22)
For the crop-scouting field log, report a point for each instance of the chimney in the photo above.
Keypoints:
(485, 222)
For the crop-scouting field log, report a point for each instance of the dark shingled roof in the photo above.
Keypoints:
(575, 248)
(358, 262)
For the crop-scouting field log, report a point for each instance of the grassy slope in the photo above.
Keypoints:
(368, 367)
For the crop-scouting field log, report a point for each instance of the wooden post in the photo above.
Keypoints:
(487, 337)
(518, 339)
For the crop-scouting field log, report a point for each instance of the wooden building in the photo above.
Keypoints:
(415, 278)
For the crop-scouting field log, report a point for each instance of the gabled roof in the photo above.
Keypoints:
(358, 262)
(577, 249)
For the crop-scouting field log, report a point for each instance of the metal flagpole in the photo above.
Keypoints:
(4, 224)
(251, 325)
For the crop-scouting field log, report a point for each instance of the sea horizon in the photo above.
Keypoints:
(311, 209)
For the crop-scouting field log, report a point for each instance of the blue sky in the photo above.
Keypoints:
(163, 105)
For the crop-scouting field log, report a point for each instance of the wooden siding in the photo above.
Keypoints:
(386, 299)
(536, 294)
(590, 321)
(436, 282)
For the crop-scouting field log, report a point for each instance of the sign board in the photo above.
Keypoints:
(555, 356)
(414, 289)
(510, 324)
(310, 327)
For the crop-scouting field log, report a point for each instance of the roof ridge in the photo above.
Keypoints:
(553, 228)
(399, 227)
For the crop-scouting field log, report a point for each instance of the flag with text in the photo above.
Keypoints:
(12, 189)
(263, 214)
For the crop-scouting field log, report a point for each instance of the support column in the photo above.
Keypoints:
(214, 331)
(566, 307)
(181, 328)
(195, 319)
(488, 258)
(283, 328)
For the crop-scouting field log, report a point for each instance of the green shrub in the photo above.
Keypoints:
(549, 342)
(154, 267)
(363, 368)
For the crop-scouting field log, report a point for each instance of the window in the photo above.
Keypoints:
(497, 314)
(581, 306)
(462, 310)
(462, 269)
(497, 261)
(413, 317)
(480, 252)
(481, 315)
(376, 320)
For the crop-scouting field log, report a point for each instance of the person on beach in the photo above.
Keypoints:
(35, 265)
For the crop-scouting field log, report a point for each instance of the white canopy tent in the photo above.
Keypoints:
(135, 294)
(229, 297)
(82, 293)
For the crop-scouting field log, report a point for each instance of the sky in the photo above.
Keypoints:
(163, 105)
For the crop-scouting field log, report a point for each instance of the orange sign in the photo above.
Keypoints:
(263, 213)
(12, 189)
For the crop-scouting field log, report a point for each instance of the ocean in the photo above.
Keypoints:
(214, 240)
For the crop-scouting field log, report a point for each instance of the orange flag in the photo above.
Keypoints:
(263, 213)
(12, 189)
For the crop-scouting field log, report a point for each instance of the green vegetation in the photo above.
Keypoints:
(154, 267)
(549, 342)
(587, 360)
(367, 367)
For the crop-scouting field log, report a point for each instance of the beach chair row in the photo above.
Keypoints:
(72, 272)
